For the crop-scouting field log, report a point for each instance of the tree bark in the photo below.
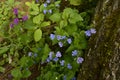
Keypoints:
(102, 59)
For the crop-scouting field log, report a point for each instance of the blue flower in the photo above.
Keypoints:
(45, 4)
(74, 53)
(80, 60)
(55, 59)
(48, 60)
(69, 66)
(58, 54)
(16, 20)
(92, 30)
(60, 44)
(74, 78)
(59, 37)
(44, 11)
(35, 55)
(69, 41)
(30, 53)
(88, 33)
(63, 37)
(50, 11)
(52, 36)
(48, 1)
(62, 62)
(50, 55)
(64, 77)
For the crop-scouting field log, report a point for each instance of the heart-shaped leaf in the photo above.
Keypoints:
(37, 35)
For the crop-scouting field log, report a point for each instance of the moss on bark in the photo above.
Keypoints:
(102, 58)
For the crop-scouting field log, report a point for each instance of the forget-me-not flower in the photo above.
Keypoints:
(69, 66)
(45, 11)
(59, 37)
(92, 30)
(64, 77)
(69, 41)
(62, 62)
(50, 55)
(50, 11)
(35, 54)
(60, 44)
(80, 60)
(74, 53)
(52, 36)
(63, 37)
(56, 59)
(48, 60)
(48, 1)
(45, 4)
(74, 78)
(30, 53)
(88, 33)
(58, 54)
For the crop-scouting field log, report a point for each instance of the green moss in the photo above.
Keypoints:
(103, 44)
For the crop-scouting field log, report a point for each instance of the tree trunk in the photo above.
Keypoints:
(102, 59)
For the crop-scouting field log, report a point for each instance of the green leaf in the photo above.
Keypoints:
(57, 2)
(26, 73)
(37, 35)
(70, 48)
(34, 9)
(3, 50)
(46, 50)
(29, 25)
(24, 61)
(48, 75)
(56, 17)
(11, 2)
(16, 73)
(44, 24)
(66, 13)
(75, 2)
(74, 17)
(38, 19)
(24, 38)
(42, 7)
(2, 69)
(70, 29)
(63, 23)
(34, 6)
(82, 40)
(70, 75)
(28, 4)
(2, 62)
(34, 12)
